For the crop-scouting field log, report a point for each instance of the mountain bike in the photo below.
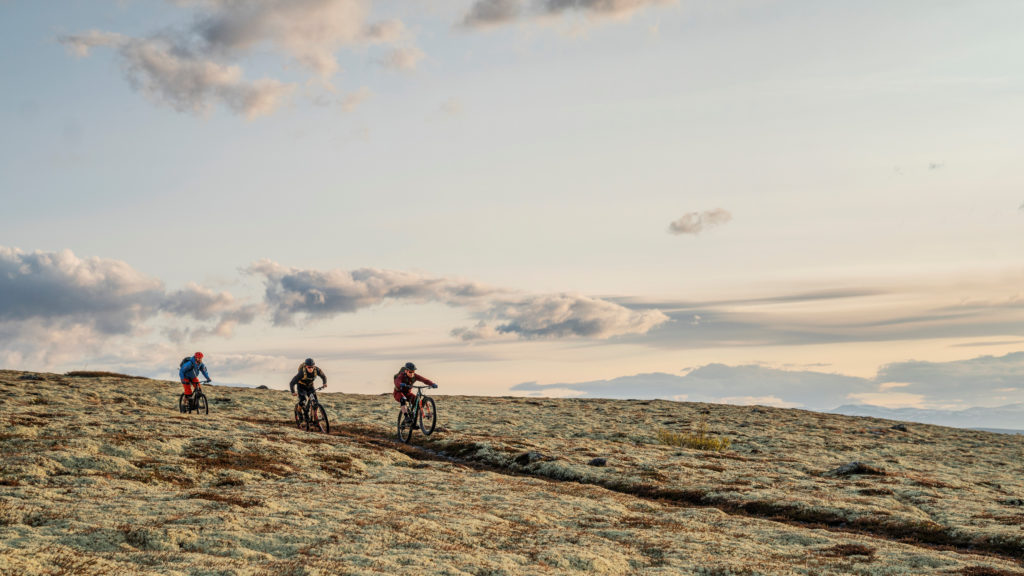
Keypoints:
(195, 401)
(421, 413)
(314, 417)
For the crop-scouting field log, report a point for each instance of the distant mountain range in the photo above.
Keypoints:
(1007, 419)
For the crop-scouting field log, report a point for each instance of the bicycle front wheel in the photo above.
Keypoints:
(405, 427)
(201, 406)
(182, 404)
(318, 417)
(428, 416)
(298, 417)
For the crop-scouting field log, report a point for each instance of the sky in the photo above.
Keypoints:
(790, 203)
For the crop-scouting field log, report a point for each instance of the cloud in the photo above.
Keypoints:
(718, 383)
(983, 381)
(492, 13)
(980, 377)
(191, 67)
(697, 222)
(562, 316)
(81, 44)
(189, 84)
(353, 99)
(402, 58)
(102, 297)
(315, 294)
(107, 295)
(292, 292)
(488, 13)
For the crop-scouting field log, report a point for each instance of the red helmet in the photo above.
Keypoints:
(198, 356)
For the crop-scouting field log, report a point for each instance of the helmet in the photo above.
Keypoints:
(409, 366)
(198, 356)
(309, 362)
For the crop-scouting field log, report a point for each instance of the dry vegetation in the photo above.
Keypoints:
(102, 475)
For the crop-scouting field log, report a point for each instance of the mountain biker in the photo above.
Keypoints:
(189, 372)
(308, 371)
(404, 380)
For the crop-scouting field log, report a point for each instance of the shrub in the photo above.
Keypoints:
(699, 440)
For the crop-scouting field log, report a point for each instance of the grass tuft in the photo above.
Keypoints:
(698, 440)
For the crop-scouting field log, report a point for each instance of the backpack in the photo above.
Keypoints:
(184, 360)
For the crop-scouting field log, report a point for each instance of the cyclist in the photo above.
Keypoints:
(308, 371)
(404, 380)
(189, 371)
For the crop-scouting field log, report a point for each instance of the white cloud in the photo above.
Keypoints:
(565, 315)
(46, 296)
(81, 44)
(697, 222)
(189, 84)
(487, 13)
(190, 68)
(402, 58)
(292, 292)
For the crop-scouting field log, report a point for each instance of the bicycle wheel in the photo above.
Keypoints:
(318, 419)
(182, 403)
(428, 416)
(404, 428)
(298, 417)
(201, 406)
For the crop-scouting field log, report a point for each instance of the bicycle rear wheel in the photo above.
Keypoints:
(405, 427)
(428, 416)
(319, 421)
(201, 406)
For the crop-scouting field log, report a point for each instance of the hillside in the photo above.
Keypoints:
(102, 475)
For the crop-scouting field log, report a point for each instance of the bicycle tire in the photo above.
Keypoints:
(319, 419)
(298, 417)
(427, 416)
(182, 404)
(202, 406)
(404, 428)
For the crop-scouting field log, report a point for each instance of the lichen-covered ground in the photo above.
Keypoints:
(102, 475)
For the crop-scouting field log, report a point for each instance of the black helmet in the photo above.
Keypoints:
(309, 362)
(410, 366)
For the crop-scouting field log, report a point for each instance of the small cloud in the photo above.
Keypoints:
(697, 222)
(81, 44)
(485, 13)
(353, 99)
(403, 58)
(890, 385)
(489, 13)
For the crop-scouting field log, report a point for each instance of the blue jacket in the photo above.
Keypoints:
(191, 369)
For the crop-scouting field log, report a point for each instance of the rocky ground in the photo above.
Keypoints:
(102, 475)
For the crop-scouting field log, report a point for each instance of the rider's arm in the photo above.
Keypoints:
(291, 385)
(206, 374)
(424, 380)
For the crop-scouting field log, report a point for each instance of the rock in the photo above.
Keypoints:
(900, 427)
(529, 458)
(262, 387)
(855, 468)
(598, 462)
